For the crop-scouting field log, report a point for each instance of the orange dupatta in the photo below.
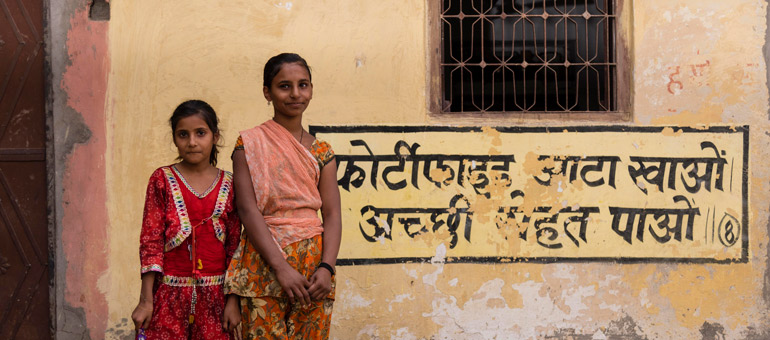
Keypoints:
(284, 175)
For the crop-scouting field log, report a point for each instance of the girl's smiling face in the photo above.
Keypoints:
(290, 90)
(194, 140)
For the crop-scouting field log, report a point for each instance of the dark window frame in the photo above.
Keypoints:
(621, 106)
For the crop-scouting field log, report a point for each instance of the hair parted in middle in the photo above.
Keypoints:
(273, 66)
(206, 112)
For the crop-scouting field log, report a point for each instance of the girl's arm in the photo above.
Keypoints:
(232, 316)
(330, 210)
(232, 229)
(143, 312)
(151, 246)
(292, 282)
(151, 239)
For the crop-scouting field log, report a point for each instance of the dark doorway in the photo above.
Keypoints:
(24, 258)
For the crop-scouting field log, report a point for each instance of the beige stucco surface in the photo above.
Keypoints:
(695, 63)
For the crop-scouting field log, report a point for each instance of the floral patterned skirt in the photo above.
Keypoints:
(277, 318)
(266, 312)
(249, 276)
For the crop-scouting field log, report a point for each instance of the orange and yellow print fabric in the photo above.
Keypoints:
(267, 318)
(249, 276)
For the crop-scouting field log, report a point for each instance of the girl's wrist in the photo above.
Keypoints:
(282, 267)
(326, 266)
(332, 263)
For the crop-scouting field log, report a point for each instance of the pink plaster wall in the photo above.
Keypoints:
(84, 219)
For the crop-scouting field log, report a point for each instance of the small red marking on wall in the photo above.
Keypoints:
(749, 71)
(697, 69)
(674, 83)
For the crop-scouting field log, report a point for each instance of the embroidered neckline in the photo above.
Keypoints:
(185, 227)
(205, 193)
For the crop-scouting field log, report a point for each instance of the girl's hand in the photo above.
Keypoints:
(232, 316)
(142, 314)
(294, 284)
(320, 284)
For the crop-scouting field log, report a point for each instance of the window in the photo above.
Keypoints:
(524, 56)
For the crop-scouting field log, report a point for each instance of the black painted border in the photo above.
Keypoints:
(744, 129)
(520, 129)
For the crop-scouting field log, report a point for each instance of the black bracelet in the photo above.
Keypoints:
(327, 267)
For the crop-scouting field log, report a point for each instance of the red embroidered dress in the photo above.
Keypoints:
(188, 239)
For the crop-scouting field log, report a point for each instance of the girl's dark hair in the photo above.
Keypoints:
(202, 109)
(273, 66)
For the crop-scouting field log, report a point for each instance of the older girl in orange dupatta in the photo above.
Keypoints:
(281, 279)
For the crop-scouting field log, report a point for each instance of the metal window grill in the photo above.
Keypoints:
(528, 55)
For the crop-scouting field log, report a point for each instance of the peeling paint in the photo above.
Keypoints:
(81, 134)
(123, 330)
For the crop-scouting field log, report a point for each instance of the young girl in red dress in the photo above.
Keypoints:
(189, 233)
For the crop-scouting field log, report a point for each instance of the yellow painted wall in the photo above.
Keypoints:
(369, 67)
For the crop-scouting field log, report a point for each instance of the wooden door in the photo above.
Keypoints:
(24, 258)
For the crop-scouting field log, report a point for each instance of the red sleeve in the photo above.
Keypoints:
(232, 228)
(153, 224)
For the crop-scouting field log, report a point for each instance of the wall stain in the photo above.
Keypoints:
(712, 331)
(753, 334)
(569, 334)
(73, 323)
(68, 129)
(766, 286)
(100, 10)
(766, 53)
(80, 79)
(76, 132)
(624, 328)
(122, 330)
